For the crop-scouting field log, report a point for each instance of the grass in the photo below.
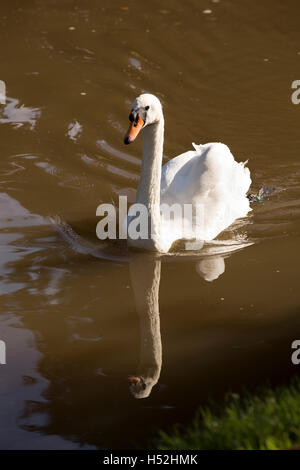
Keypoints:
(269, 420)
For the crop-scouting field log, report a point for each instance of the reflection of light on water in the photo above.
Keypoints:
(226, 246)
(18, 115)
(135, 63)
(122, 156)
(78, 337)
(74, 130)
(50, 169)
(13, 214)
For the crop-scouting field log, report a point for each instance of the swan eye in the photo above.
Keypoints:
(147, 107)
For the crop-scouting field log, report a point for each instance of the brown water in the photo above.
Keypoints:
(76, 314)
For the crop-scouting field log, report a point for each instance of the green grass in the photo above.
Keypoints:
(268, 420)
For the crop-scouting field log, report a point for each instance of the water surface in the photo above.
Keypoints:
(75, 313)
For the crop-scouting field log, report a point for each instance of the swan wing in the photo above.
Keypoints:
(210, 178)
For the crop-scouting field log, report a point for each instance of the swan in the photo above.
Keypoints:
(207, 180)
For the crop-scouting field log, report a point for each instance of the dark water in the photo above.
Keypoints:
(74, 311)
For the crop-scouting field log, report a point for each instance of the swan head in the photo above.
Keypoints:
(146, 110)
(139, 387)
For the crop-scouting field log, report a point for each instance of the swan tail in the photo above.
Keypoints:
(198, 147)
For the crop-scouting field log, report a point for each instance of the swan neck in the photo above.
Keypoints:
(148, 192)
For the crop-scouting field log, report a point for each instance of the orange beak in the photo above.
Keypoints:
(133, 130)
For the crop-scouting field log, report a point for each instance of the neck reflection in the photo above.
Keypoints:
(145, 272)
(145, 279)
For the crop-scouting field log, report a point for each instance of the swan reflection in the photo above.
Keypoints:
(145, 273)
(211, 268)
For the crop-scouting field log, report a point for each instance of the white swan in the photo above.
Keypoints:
(207, 178)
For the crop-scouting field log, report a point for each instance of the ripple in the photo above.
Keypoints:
(122, 156)
(19, 115)
(74, 130)
(13, 214)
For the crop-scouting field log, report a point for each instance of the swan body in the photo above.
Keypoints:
(207, 180)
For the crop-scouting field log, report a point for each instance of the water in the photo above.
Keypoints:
(74, 311)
